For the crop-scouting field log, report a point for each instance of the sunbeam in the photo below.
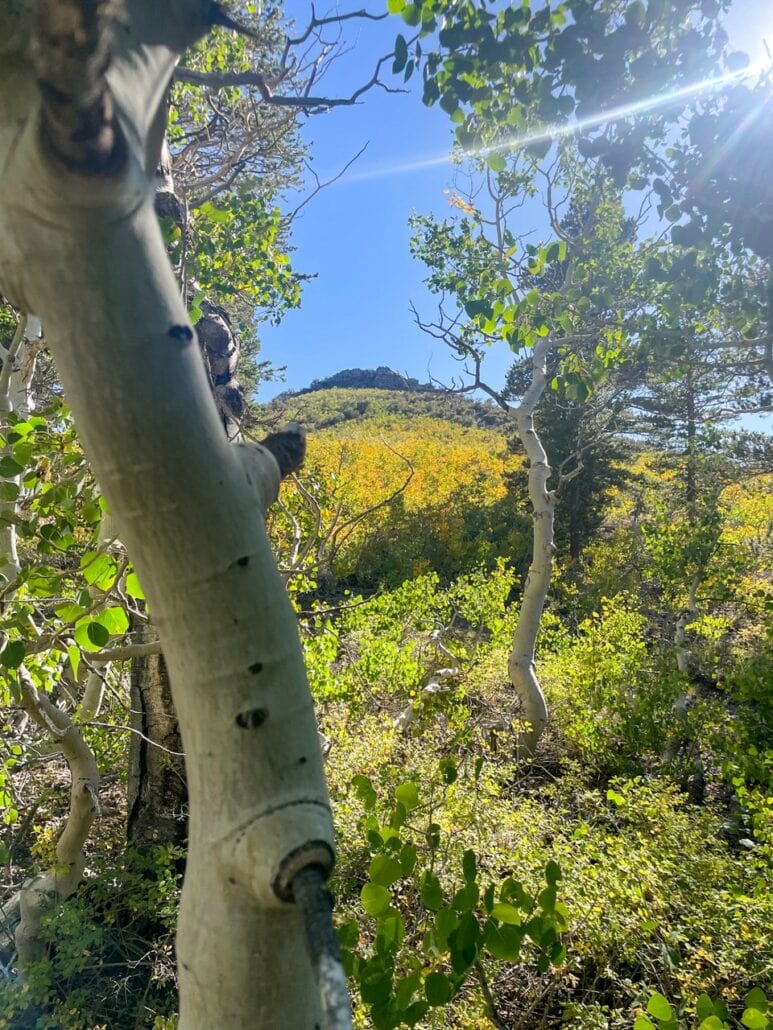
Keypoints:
(553, 132)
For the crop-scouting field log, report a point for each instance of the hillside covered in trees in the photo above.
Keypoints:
(383, 705)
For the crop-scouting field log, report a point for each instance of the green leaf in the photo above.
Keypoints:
(401, 54)
(407, 859)
(431, 892)
(365, 791)
(114, 619)
(503, 942)
(438, 989)
(467, 898)
(74, 656)
(754, 1019)
(12, 654)
(659, 1007)
(642, 1023)
(195, 311)
(395, 6)
(133, 588)
(69, 612)
(449, 102)
(547, 899)
(539, 149)
(555, 251)
(99, 570)
(411, 14)
(375, 899)
(390, 932)
(405, 989)
(496, 162)
(446, 921)
(756, 999)
(469, 866)
(512, 891)
(704, 1007)
(348, 933)
(463, 943)
(635, 13)
(712, 1023)
(91, 635)
(553, 873)
(97, 634)
(414, 1013)
(407, 794)
(9, 467)
(9, 491)
(506, 914)
(384, 869)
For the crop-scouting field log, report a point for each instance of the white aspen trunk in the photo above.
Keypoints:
(9, 555)
(39, 893)
(16, 396)
(190, 509)
(520, 665)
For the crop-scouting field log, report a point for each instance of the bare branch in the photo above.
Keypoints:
(123, 654)
(305, 102)
(343, 532)
(319, 185)
(137, 733)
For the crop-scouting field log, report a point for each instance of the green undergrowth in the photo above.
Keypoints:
(656, 894)
(473, 889)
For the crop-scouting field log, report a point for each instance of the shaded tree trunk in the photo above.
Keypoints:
(157, 792)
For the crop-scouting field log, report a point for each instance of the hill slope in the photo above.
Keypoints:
(360, 394)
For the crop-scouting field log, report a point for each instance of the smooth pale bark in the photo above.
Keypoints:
(520, 666)
(39, 893)
(9, 389)
(189, 507)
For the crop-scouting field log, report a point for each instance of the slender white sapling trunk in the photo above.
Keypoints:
(534, 710)
(59, 882)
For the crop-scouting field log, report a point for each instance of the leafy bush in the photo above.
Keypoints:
(110, 960)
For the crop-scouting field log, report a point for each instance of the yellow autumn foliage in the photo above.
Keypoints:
(403, 496)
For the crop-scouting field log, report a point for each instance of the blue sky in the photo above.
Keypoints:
(354, 234)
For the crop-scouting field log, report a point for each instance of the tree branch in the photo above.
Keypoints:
(224, 80)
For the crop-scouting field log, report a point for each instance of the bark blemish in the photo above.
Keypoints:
(181, 333)
(243, 561)
(252, 718)
(302, 760)
(256, 667)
